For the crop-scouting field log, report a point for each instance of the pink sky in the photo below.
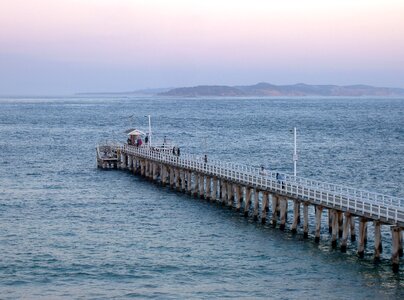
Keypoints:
(67, 46)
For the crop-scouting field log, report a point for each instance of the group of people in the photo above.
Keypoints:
(135, 142)
(280, 178)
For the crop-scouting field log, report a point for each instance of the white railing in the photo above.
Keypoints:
(338, 196)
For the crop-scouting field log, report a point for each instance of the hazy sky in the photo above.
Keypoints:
(68, 46)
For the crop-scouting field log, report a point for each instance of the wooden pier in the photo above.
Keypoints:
(253, 191)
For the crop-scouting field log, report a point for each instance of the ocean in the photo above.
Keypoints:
(71, 231)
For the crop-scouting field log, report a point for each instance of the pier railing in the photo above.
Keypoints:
(373, 205)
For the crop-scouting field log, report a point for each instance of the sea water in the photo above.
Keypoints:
(69, 230)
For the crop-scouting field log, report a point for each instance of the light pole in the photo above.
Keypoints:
(294, 152)
(150, 133)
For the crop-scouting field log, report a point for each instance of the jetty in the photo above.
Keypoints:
(267, 196)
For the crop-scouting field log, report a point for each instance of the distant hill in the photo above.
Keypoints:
(264, 89)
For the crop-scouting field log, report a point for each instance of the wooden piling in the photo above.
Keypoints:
(230, 194)
(154, 171)
(214, 192)
(335, 219)
(196, 185)
(264, 207)
(330, 216)
(247, 201)
(224, 192)
(345, 231)
(123, 161)
(283, 206)
(201, 186)
(353, 233)
(163, 176)
(362, 237)
(319, 210)
(275, 201)
(305, 220)
(177, 179)
(238, 196)
(395, 239)
(378, 240)
(256, 205)
(340, 224)
(208, 188)
(296, 208)
(183, 181)
(189, 182)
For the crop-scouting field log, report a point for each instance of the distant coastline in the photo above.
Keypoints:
(264, 89)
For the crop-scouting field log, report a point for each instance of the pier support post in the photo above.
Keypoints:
(130, 158)
(378, 240)
(305, 220)
(345, 231)
(134, 162)
(201, 186)
(151, 174)
(340, 224)
(154, 171)
(353, 233)
(142, 168)
(319, 210)
(151, 163)
(146, 169)
(283, 206)
(264, 207)
(296, 208)
(208, 188)
(196, 185)
(172, 177)
(395, 239)
(400, 245)
(330, 216)
(238, 195)
(123, 160)
(335, 222)
(223, 190)
(362, 237)
(247, 201)
(275, 201)
(183, 181)
(256, 204)
(177, 179)
(189, 182)
(214, 192)
(230, 194)
(163, 175)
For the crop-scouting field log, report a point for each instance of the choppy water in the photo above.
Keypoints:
(68, 230)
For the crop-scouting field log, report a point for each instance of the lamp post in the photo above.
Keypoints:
(150, 132)
(294, 152)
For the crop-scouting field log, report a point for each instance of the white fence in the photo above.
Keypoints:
(372, 205)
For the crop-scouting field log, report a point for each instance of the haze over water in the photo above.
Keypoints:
(69, 230)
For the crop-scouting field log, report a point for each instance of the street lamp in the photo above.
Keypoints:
(150, 132)
(294, 152)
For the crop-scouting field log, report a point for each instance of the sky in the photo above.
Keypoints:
(70, 46)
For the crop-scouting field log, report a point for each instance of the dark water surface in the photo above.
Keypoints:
(68, 230)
